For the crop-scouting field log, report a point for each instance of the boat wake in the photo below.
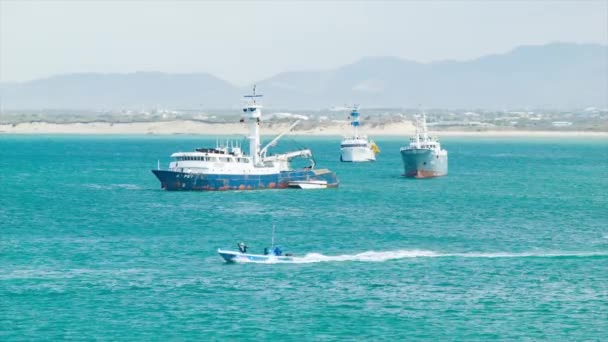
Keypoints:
(112, 186)
(373, 256)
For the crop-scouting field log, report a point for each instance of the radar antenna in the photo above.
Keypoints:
(253, 96)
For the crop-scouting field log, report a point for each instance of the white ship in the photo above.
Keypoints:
(357, 148)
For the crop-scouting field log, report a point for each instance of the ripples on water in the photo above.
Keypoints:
(511, 244)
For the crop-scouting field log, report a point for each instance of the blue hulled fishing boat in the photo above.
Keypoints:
(229, 168)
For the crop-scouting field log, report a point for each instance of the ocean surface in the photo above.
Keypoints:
(511, 245)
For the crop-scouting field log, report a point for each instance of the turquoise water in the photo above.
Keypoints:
(512, 244)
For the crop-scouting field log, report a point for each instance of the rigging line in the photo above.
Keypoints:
(298, 145)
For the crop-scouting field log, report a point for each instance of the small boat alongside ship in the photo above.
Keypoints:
(309, 184)
(357, 148)
(229, 168)
(423, 157)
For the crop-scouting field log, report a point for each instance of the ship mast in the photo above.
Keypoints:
(354, 120)
(417, 126)
(252, 112)
(425, 136)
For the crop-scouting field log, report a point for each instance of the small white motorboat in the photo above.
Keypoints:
(272, 254)
(275, 254)
(308, 184)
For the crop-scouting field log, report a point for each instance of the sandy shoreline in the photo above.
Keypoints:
(226, 129)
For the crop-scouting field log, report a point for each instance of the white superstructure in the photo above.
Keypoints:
(423, 141)
(357, 148)
(230, 159)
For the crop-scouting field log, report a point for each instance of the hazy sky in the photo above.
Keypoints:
(243, 42)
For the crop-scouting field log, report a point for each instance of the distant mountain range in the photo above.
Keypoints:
(559, 75)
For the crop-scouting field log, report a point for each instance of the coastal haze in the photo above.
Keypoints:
(547, 76)
(532, 66)
(529, 88)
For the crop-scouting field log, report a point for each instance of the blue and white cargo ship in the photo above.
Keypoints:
(228, 168)
(423, 157)
(357, 148)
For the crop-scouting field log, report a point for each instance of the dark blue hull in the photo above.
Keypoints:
(174, 181)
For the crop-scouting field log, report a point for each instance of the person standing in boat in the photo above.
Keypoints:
(242, 247)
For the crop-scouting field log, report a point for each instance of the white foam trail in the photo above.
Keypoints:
(373, 256)
(369, 256)
(529, 255)
(127, 186)
(113, 186)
